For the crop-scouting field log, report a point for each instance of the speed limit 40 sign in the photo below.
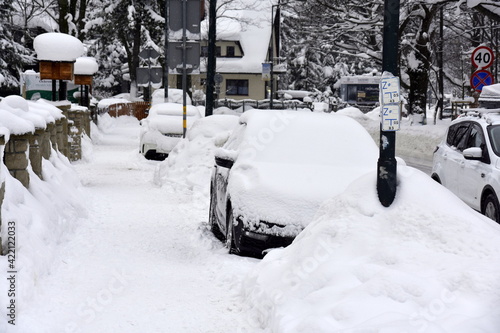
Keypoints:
(482, 57)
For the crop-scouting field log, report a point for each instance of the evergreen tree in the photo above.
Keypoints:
(13, 56)
(117, 32)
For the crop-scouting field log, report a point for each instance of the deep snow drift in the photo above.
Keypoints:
(426, 264)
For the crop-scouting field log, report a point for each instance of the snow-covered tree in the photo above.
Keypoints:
(349, 34)
(117, 32)
(13, 55)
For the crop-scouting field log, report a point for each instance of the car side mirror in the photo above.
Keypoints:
(225, 158)
(473, 153)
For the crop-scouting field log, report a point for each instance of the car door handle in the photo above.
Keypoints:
(483, 175)
(462, 164)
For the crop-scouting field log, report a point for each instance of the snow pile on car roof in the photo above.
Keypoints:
(490, 93)
(421, 265)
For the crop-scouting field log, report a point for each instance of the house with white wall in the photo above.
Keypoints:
(242, 46)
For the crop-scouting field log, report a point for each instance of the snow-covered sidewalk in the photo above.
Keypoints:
(143, 261)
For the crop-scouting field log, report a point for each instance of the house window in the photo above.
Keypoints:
(230, 51)
(204, 51)
(237, 87)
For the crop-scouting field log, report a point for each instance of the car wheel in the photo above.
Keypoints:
(212, 218)
(230, 243)
(491, 208)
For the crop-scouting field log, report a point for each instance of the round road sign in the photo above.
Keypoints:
(480, 79)
(482, 57)
(218, 78)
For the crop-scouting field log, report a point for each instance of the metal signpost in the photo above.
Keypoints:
(387, 166)
(183, 55)
(148, 75)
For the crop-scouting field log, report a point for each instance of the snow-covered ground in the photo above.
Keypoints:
(134, 254)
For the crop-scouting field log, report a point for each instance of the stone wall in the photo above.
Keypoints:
(29, 149)
(63, 135)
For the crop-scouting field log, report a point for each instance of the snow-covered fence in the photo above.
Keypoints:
(31, 131)
(119, 107)
(263, 104)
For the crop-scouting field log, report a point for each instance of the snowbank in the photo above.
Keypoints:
(189, 164)
(43, 215)
(426, 264)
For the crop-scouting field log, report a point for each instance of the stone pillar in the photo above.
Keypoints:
(16, 158)
(86, 118)
(75, 135)
(2, 194)
(35, 151)
(61, 142)
(51, 140)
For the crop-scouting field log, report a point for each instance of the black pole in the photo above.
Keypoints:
(165, 69)
(440, 105)
(271, 56)
(87, 97)
(184, 69)
(62, 90)
(387, 166)
(54, 90)
(211, 59)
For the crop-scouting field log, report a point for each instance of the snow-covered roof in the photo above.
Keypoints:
(53, 46)
(86, 66)
(251, 26)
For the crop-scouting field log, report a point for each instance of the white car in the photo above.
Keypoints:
(163, 128)
(467, 161)
(275, 171)
(174, 96)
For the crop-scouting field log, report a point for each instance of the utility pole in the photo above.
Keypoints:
(166, 70)
(184, 68)
(211, 61)
(387, 165)
(440, 105)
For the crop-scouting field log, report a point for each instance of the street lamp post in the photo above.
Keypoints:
(273, 38)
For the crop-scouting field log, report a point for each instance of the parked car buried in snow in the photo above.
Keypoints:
(468, 158)
(163, 128)
(276, 169)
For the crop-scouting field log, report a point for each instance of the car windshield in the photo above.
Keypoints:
(494, 133)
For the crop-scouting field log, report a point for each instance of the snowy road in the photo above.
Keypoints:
(143, 262)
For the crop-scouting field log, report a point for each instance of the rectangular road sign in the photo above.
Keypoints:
(175, 57)
(389, 90)
(390, 117)
(193, 17)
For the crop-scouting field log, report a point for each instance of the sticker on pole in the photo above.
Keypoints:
(482, 57)
(390, 98)
(389, 89)
(390, 117)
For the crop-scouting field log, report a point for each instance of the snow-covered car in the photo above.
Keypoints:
(467, 161)
(174, 96)
(163, 128)
(276, 169)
